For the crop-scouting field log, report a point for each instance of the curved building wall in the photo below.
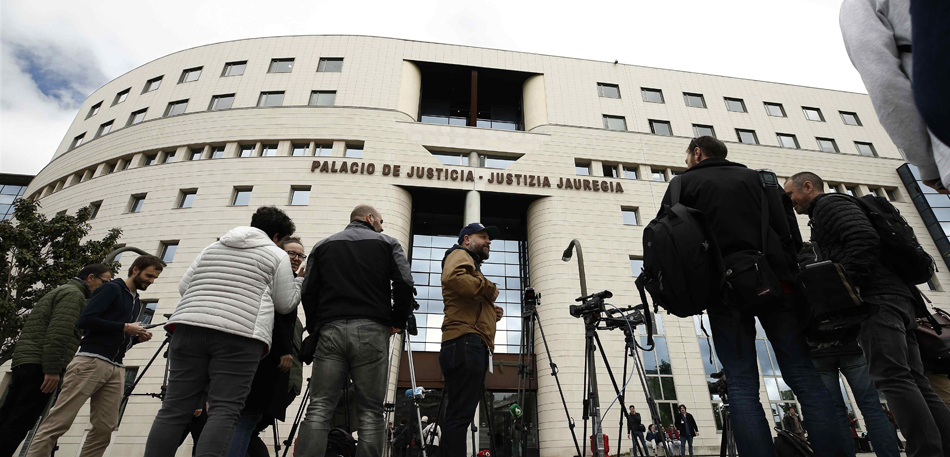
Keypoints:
(376, 110)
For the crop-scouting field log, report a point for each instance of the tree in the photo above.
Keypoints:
(40, 254)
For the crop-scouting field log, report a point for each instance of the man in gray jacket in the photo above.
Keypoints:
(877, 36)
(357, 292)
(222, 328)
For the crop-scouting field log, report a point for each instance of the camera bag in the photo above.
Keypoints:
(832, 301)
(933, 338)
(682, 265)
(749, 277)
(788, 444)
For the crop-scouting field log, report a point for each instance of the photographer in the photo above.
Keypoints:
(357, 292)
(222, 328)
(844, 235)
(731, 197)
(468, 331)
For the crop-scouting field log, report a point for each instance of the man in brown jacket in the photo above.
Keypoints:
(468, 331)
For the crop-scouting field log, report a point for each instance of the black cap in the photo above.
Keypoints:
(476, 227)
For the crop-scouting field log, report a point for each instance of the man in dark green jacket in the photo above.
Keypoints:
(47, 344)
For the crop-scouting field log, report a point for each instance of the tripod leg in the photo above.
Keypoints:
(289, 442)
(276, 439)
(557, 381)
(490, 413)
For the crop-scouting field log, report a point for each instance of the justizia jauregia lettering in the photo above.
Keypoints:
(465, 175)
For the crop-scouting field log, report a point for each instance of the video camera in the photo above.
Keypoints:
(591, 304)
(720, 386)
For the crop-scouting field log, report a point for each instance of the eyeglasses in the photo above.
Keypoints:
(293, 254)
(103, 280)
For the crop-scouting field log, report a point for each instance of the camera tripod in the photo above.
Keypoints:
(162, 349)
(727, 448)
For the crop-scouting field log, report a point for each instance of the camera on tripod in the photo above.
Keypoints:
(720, 386)
(591, 304)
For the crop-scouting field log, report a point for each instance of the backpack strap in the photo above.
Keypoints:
(676, 189)
(765, 220)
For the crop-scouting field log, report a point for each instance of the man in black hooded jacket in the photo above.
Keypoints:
(843, 234)
(730, 196)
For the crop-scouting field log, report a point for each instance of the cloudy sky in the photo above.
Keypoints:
(56, 52)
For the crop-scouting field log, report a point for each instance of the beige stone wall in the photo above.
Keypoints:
(370, 109)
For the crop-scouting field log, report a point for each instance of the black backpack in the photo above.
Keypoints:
(682, 265)
(790, 445)
(900, 250)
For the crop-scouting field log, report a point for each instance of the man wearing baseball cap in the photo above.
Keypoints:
(468, 331)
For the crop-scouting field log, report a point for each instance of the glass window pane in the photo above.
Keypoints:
(787, 141)
(652, 95)
(669, 389)
(695, 100)
(168, 252)
(608, 90)
(774, 109)
(630, 172)
(703, 130)
(300, 150)
(653, 383)
(615, 123)
(300, 197)
(242, 197)
(747, 136)
(187, 200)
(764, 360)
(355, 152)
(330, 65)
(630, 217)
(735, 104)
(661, 128)
(662, 355)
(771, 386)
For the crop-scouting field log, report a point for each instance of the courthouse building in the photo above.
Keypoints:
(181, 149)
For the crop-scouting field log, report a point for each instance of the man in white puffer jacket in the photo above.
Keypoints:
(222, 328)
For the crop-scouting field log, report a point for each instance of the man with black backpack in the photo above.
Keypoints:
(846, 231)
(749, 221)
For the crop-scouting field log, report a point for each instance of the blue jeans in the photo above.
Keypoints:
(683, 440)
(638, 435)
(347, 349)
(734, 336)
(243, 433)
(855, 370)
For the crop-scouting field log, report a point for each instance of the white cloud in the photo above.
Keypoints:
(789, 42)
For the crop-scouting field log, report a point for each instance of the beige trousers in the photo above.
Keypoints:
(87, 378)
(941, 385)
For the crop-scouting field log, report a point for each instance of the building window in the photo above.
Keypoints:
(658, 174)
(136, 117)
(661, 127)
(110, 168)
(148, 312)
(865, 149)
(850, 118)
(607, 90)
(786, 140)
(299, 196)
(167, 251)
(176, 108)
(300, 150)
(694, 100)
(94, 208)
(217, 152)
(636, 266)
(827, 144)
(152, 84)
(892, 195)
(169, 157)
(281, 66)
(630, 216)
(747, 136)
(630, 171)
(135, 205)
(813, 114)
(780, 395)
(326, 150)
(77, 141)
(270, 99)
(703, 130)
(659, 375)
(268, 150)
(774, 109)
(190, 75)
(652, 95)
(242, 196)
(354, 151)
(151, 159)
(94, 110)
(322, 98)
(610, 171)
(832, 187)
(187, 198)
(195, 153)
(497, 162)
(711, 365)
(124, 164)
(105, 128)
(234, 68)
(121, 96)
(581, 168)
(851, 190)
(247, 150)
(451, 158)
(932, 284)
(735, 105)
(615, 123)
(221, 102)
(330, 64)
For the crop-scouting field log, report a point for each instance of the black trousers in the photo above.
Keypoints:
(23, 405)
(463, 361)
